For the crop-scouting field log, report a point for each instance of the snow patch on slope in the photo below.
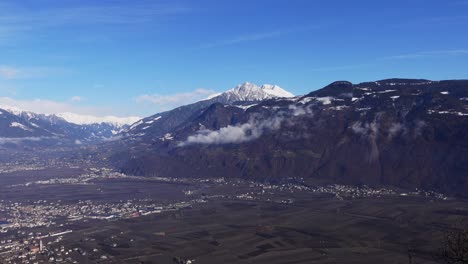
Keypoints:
(21, 126)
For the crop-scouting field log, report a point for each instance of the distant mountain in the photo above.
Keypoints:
(249, 92)
(19, 126)
(117, 122)
(158, 125)
(400, 132)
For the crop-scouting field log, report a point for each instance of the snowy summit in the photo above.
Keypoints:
(88, 119)
(250, 92)
(74, 118)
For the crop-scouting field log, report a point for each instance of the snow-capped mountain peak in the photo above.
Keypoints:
(251, 92)
(158, 125)
(88, 119)
(77, 119)
(59, 128)
(12, 109)
(276, 91)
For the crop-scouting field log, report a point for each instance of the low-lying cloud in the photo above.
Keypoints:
(300, 110)
(369, 131)
(4, 140)
(254, 129)
(236, 134)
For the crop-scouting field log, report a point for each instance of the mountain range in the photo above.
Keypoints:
(19, 126)
(160, 124)
(408, 133)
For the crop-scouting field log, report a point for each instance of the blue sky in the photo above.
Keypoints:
(142, 57)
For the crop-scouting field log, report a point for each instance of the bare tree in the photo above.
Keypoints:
(410, 256)
(454, 248)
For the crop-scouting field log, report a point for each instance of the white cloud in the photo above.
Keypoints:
(18, 19)
(76, 98)
(236, 134)
(339, 68)
(427, 54)
(243, 39)
(4, 140)
(395, 129)
(249, 131)
(369, 131)
(7, 89)
(42, 106)
(257, 37)
(11, 72)
(8, 73)
(173, 100)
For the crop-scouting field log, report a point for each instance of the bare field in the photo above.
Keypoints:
(135, 220)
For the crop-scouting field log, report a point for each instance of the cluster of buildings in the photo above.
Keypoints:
(20, 246)
(34, 247)
(13, 167)
(347, 191)
(44, 213)
(86, 178)
(22, 162)
(259, 189)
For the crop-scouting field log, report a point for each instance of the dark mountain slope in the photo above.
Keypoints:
(407, 133)
(159, 124)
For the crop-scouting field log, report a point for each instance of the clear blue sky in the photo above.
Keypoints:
(141, 57)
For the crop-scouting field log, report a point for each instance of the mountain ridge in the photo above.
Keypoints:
(250, 92)
(78, 119)
(49, 130)
(71, 127)
(159, 124)
(399, 132)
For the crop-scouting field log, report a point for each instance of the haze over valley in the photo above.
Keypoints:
(233, 132)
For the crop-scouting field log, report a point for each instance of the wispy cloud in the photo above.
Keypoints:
(339, 68)
(256, 37)
(8, 72)
(44, 106)
(253, 129)
(416, 55)
(118, 13)
(76, 98)
(8, 89)
(17, 17)
(4, 140)
(428, 54)
(164, 102)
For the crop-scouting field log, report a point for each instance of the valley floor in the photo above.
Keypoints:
(95, 215)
